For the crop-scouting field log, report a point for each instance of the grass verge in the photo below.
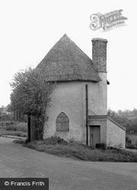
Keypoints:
(81, 152)
(12, 133)
(13, 128)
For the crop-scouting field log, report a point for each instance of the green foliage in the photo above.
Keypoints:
(78, 151)
(13, 126)
(55, 140)
(31, 95)
(5, 114)
(126, 118)
(4, 124)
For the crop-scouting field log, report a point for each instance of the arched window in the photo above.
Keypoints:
(62, 123)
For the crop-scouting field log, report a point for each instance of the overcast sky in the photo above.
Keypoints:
(29, 28)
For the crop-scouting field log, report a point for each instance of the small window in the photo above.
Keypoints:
(62, 123)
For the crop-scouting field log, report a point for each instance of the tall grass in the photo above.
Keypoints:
(58, 146)
(13, 126)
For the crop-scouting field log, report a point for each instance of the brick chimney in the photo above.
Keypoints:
(99, 54)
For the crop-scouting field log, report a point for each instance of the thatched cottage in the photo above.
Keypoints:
(78, 109)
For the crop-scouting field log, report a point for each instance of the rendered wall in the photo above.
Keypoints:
(115, 135)
(69, 97)
(98, 96)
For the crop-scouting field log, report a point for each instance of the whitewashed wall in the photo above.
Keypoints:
(69, 97)
(115, 135)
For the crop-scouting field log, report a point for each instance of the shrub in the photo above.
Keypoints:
(21, 126)
(101, 145)
(11, 128)
(131, 146)
(80, 152)
(128, 140)
(55, 140)
(6, 123)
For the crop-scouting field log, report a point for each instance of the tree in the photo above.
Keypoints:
(126, 118)
(31, 96)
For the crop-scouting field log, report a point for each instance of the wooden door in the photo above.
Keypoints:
(94, 135)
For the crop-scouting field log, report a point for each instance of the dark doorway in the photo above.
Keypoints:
(94, 135)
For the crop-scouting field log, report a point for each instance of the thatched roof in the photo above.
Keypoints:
(67, 62)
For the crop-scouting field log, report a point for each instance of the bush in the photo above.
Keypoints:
(131, 146)
(77, 151)
(11, 128)
(21, 126)
(55, 140)
(100, 146)
(5, 117)
(6, 123)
